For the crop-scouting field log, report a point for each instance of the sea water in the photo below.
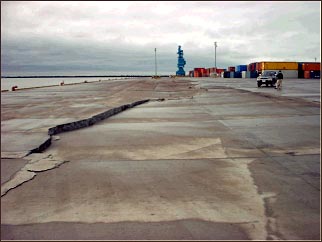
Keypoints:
(8, 83)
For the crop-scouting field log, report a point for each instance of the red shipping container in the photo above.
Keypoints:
(196, 74)
(258, 66)
(311, 66)
(251, 67)
(220, 71)
(307, 74)
(231, 68)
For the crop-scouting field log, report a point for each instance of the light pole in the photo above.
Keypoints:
(215, 54)
(155, 58)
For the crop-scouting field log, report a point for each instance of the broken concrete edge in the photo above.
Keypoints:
(4, 192)
(26, 174)
(86, 123)
(92, 120)
(51, 168)
(64, 128)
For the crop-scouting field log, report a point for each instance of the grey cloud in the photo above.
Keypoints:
(121, 36)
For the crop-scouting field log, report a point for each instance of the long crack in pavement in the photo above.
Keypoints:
(205, 158)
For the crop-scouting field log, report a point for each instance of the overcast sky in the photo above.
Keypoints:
(104, 37)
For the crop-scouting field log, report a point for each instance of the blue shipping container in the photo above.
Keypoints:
(226, 74)
(253, 74)
(315, 74)
(241, 68)
(237, 74)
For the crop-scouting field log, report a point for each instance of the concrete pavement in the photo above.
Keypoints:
(219, 159)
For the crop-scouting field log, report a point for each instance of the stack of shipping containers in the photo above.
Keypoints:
(216, 71)
(200, 72)
(289, 69)
(251, 71)
(309, 70)
(239, 70)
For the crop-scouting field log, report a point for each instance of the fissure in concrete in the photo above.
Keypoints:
(42, 164)
(85, 123)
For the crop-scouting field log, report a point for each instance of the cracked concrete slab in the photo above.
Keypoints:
(21, 142)
(36, 163)
(247, 170)
(9, 167)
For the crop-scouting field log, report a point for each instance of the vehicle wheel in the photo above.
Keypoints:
(259, 83)
(266, 83)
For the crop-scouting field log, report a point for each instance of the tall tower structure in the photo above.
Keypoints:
(181, 62)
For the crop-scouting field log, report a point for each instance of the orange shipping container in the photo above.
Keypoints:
(270, 65)
(307, 74)
(196, 74)
(311, 66)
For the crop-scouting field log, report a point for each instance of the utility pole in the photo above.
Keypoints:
(315, 59)
(155, 58)
(215, 54)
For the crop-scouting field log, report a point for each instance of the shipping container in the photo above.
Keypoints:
(315, 74)
(212, 69)
(279, 65)
(237, 74)
(250, 67)
(311, 66)
(259, 66)
(231, 68)
(241, 68)
(196, 74)
(249, 74)
(307, 74)
(287, 74)
(198, 68)
(299, 64)
(253, 74)
(300, 74)
(226, 74)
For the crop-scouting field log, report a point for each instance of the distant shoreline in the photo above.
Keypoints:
(80, 76)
